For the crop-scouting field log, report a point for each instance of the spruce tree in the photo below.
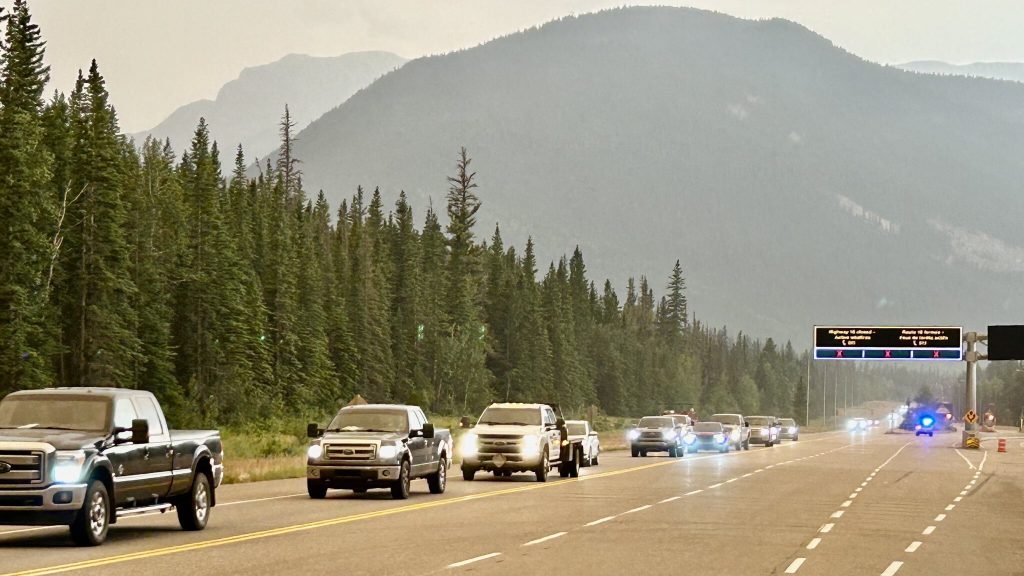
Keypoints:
(463, 204)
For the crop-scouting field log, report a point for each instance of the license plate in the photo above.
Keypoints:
(499, 460)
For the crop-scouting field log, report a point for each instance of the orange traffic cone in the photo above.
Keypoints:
(1002, 445)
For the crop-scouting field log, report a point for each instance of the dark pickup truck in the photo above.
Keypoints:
(377, 446)
(86, 456)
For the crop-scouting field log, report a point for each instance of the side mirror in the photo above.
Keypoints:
(140, 431)
(313, 431)
(746, 424)
(465, 422)
(428, 430)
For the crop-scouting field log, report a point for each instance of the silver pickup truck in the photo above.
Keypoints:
(377, 446)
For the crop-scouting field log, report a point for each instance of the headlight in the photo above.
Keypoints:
(765, 431)
(668, 434)
(633, 434)
(315, 452)
(690, 438)
(720, 438)
(468, 445)
(792, 429)
(851, 424)
(531, 446)
(735, 434)
(387, 452)
(67, 467)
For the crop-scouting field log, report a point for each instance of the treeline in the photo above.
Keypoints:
(236, 298)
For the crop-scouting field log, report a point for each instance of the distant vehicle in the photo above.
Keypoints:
(683, 420)
(86, 457)
(925, 425)
(657, 434)
(377, 446)
(763, 430)
(857, 425)
(512, 437)
(736, 428)
(789, 429)
(580, 430)
(707, 436)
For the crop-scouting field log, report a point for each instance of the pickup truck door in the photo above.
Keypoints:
(127, 459)
(419, 447)
(554, 435)
(158, 454)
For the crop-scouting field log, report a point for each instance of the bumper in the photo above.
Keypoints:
(787, 435)
(491, 462)
(56, 504)
(698, 446)
(654, 446)
(343, 476)
(758, 439)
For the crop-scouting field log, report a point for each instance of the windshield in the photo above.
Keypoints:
(370, 421)
(759, 421)
(707, 427)
(729, 419)
(576, 429)
(511, 416)
(85, 414)
(657, 422)
(787, 422)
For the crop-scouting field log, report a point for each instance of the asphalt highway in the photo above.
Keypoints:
(835, 504)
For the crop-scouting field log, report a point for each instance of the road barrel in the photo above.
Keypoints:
(1002, 445)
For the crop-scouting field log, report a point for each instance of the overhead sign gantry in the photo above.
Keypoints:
(928, 343)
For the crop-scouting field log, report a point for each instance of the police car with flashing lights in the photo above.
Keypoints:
(925, 425)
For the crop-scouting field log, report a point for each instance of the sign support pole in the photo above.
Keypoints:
(970, 433)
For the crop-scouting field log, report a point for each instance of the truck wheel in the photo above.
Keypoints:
(634, 452)
(468, 474)
(746, 444)
(400, 489)
(594, 461)
(574, 467)
(194, 508)
(93, 520)
(356, 490)
(671, 452)
(438, 481)
(769, 444)
(317, 490)
(643, 453)
(542, 468)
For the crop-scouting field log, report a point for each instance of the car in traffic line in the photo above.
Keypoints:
(763, 430)
(707, 436)
(925, 425)
(789, 430)
(857, 425)
(377, 446)
(736, 428)
(85, 457)
(580, 430)
(515, 437)
(657, 434)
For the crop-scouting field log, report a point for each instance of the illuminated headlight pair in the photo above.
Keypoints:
(690, 438)
(469, 445)
(633, 434)
(315, 451)
(67, 467)
(720, 438)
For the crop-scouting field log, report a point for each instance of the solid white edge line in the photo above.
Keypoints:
(913, 547)
(893, 568)
(928, 530)
(261, 499)
(471, 560)
(969, 464)
(546, 538)
(638, 509)
(795, 565)
(600, 521)
(672, 499)
(714, 485)
(731, 480)
(694, 492)
(813, 543)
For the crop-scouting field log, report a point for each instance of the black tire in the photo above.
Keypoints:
(724, 449)
(542, 469)
(795, 438)
(359, 490)
(92, 522)
(769, 444)
(930, 434)
(400, 488)
(680, 451)
(671, 452)
(468, 474)
(746, 444)
(634, 452)
(574, 466)
(438, 481)
(594, 462)
(643, 453)
(317, 490)
(194, 508)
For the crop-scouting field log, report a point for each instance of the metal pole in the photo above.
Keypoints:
(835, 402)
(846, 384)
(824, 385)
(972, 357)
(807, 394)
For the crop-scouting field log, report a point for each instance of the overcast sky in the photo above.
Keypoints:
(158, 54)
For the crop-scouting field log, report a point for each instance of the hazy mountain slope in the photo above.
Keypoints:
(797, 182)
(247, 110)
(997, 70)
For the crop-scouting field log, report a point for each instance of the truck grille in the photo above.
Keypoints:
(351, 452)
(491, 444)
(26, 467)
(651, 435)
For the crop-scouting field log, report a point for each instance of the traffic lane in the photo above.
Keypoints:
(293, 544)
(241, 509)
(747, 523)
(981, 535)
(894, 505)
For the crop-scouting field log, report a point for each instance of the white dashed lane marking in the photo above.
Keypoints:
(913, 547)
(546, 538)
(672, 499)
(892, 569)
(928, 530)
(826, 528)
(638, 509)
(600, 521)
(795, 565)
(813, 543)
(471, 560)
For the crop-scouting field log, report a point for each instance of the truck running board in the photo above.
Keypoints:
(143, 510)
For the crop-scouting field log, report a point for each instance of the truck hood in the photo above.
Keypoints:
(363, 436)
(505, 430)
(59, 439)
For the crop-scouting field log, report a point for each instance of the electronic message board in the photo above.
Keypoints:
(888, 342)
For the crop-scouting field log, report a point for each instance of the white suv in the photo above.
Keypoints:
(513, 437)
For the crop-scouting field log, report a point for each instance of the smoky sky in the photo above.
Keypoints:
(158, 54)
